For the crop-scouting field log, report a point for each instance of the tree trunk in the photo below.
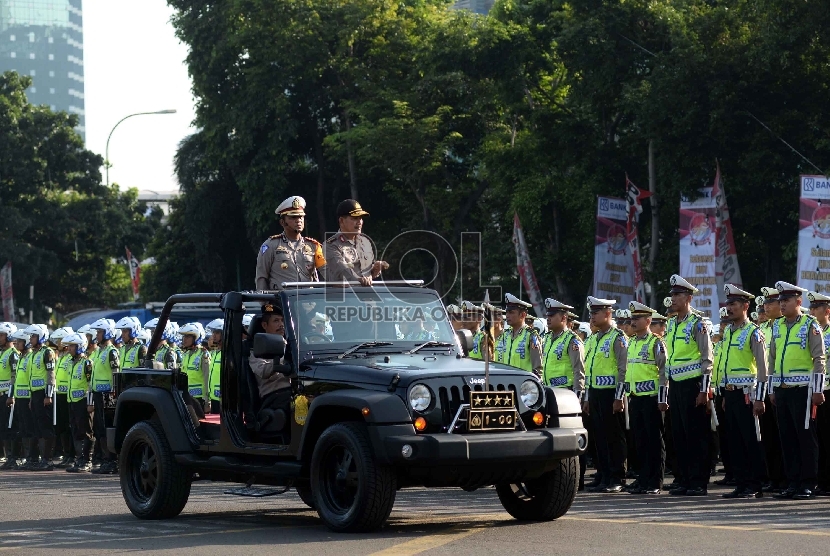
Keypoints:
(655, 225)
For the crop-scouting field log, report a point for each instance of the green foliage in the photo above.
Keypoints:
(60, 226)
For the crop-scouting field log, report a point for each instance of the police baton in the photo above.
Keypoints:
(625, 409)
(757, 429)
(11, 414)
(51, 393)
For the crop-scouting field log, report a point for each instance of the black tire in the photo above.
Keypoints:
(544, 499)
(305, 494)
(153, 484)
(352, 493)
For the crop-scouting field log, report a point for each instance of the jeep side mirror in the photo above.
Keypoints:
(269, 346)
(465, 338)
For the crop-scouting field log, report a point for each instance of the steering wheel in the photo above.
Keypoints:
(323, 337)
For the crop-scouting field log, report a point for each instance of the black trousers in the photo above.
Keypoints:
(42, 416)
(215, 406)
(746, 452)
(609, 434)
(723, 436)
(647, 425)
(81, 420)
(691, 432)
(99, 423)
(62, 428)
(823, 433)
(800, 445)
(23, 418)
(771, 440)
(6, 432)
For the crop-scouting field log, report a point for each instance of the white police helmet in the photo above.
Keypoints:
(7, 328)
(193, 329)
(39, 330)
(60, 334)
(131, 324)
(107, 325)
(216, 325)
(246, 319)
(76, 339)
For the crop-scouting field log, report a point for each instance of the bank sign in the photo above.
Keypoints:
(815, 187)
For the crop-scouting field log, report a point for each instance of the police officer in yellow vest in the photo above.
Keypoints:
(820, 310)
(743, 380)
(196, 364)
(62, 428)
(80, 401)
(689, 365)
(132, 352)
(216, 329)
(647, 387)
(42, 365)
(797, 367)
(19, 401)
(9, 357)
(107, 362)
(563, 354)
(521, 346)
(605, 363)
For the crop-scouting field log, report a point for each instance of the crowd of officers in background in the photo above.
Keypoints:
(56, 390)
(672, 394)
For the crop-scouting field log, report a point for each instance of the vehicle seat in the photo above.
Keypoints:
(267, 425)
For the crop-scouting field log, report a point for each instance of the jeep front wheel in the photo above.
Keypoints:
(545, 498)
(304, 492)
(153, 484)
(352, 493)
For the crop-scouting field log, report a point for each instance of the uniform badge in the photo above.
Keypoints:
(300, 409)
(284, 266)
(264, 248)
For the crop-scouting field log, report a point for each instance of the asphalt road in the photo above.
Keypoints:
(49, 513)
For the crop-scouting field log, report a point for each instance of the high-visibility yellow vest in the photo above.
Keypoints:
(717, 363)
(683, 357)
(192, 366)
(129, 355)
(215, 376)
(739, 367)
(793, 362)
(556, 363)
(601, 360)
(517, 350)
(62, 373)
(21, 377)
(78, 382)
(642, 374)
(37, 370)
(6, 360)
(478, 343)
(102, 370)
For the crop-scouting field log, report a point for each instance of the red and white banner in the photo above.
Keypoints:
(135, 273)
(6, 292)
(697, 250)
(814, 234)
(634, 200)
(726, 256)
(525, 268)
(613, 264)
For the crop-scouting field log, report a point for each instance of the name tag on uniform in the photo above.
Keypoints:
(21, 393)
(103, 387)
(195, 391)
(63, 389)
(5, 386)
(78, 393)
(559, 381)
(38, 382)
(217, 392)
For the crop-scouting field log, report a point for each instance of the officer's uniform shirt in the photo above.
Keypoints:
(281, 260)
(348, 259)
(576, 353)
(267, 380)
(620, 351)
(702, 339)
(815, 343)
(758, 347)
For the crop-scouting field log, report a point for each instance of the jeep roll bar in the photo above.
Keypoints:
(165, 315)
(413, 283)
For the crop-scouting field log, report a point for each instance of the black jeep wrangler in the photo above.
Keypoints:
(382, 397)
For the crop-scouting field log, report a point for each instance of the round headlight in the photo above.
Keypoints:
(529, 393)
(419, 397)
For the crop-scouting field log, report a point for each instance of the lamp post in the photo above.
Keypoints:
(107, 154)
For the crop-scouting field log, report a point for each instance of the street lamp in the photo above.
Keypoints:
(107, 154)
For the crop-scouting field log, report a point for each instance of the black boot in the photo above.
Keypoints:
(31, 459)
(45, 445)
(11, 462)
(82, 464)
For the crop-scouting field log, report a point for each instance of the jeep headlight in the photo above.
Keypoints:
(419, 397)
(529, 392)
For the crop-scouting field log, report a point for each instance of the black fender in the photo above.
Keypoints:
(384, 408)
(563, 407)
(140, 404)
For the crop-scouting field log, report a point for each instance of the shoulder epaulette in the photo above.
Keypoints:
(278, 236)
(332, 238)
(311, 239)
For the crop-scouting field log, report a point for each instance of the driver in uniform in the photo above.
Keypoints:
(274, 387)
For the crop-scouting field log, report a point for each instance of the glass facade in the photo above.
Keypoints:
(44, 39)
(476, 6)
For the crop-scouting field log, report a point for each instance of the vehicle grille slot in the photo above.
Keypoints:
(446, 410)
(500, 387)
(466, 394)
(478, 388)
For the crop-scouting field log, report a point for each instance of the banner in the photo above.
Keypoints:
(6, 291)
(697, 251)
(525, 268)
(634, 200)
(135, 272)
(726, 256)
(613, 264)
(814, 234)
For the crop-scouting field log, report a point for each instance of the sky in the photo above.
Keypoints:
(133, 62)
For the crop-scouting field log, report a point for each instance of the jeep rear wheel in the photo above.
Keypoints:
(352, 493)
(153, 484)
(543, 499)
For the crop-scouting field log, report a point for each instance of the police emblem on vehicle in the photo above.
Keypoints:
(492, 411)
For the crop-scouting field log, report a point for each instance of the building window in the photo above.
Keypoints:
(13, 54)
(51, 90)
(31, 37)
(51, 74)
(52, 107)
(34, 89)
(32, 73)
(51, 40)
(51, 56)
(12, 38)
(31, 55)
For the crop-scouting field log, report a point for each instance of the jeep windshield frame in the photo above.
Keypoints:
(325, 322)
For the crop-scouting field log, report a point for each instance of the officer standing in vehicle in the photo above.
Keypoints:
(216, 329)
(689, 349)
(349, 254)
(196, 363)
(42, 391)
(107, 361)
(820, 309)
(743, 373)
(521, 345)
(132, 352)
(62, 428)
(797, 363)
(289, 256)
(9, 357)
(648, 395)
(80, 402)
(606, 353)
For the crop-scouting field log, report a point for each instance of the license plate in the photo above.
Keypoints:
(499, 399)
(492, 420)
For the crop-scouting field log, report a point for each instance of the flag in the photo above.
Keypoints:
(135, 272)
(6, 291)
(525, 267)
(697, 250)
(634, 201)
(726, 256)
